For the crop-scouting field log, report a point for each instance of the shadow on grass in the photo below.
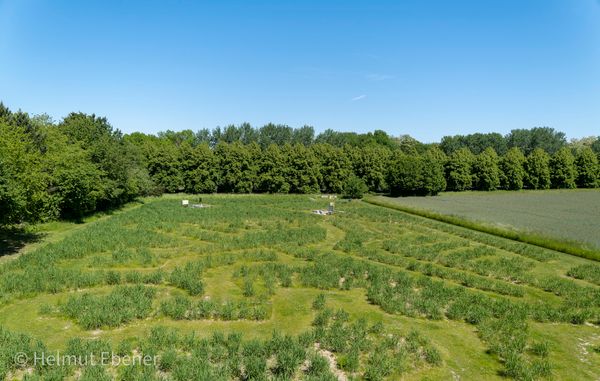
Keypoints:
(13, 239)
(106, 210)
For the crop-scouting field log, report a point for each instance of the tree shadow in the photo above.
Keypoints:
(13, 239)
(103, 210)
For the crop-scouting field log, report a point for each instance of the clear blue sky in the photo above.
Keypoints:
(424, 68)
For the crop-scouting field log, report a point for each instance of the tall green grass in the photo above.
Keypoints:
(120, 306)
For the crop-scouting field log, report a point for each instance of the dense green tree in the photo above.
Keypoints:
(405, 174)
(341, 139)
(23, 183)
(145, 156)
(537, 169)
(74, 182)
(272, 171)
(476, 143)
(336, 138)
(204, 136)
(370, 163)
(243, 133)
(577, 144)
(334, 165)
(596, 146)
(486, 175)
(458, 170)
(238, 167)
(179, 137)
(110, 153)
(545, 138)
(302, 169)
(13, 154)
(163, 166)
(409, 145)
(199, 169)
(587, 168)
(248, 134)
(512, 170)
(5, 113)
(303, 135)
(562, 169)
(432, 167)
(274, 134)
(355, 187)
(381, 138)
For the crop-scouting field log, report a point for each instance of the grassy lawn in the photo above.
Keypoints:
(450, 302)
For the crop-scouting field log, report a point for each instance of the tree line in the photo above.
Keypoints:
(82, 164)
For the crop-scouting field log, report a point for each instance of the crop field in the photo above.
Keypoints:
(259, 288)
(570, 215)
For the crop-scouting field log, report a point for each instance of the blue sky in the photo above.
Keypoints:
(424, 68)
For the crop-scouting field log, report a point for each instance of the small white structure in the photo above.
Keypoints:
(185, 203)
(328, 212)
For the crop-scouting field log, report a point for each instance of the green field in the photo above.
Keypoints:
(567, 215)
(368, 293)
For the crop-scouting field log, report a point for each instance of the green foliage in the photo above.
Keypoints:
(476, 143)
(433, 161)
(69, 170)
(370, 163)
(274, 134)
(512, 171)
(458, 170)
(562, 169)
(199, 169)
(162, 160)
(355, 187)
(417, 174)
(272, 171)
(341, 139)
(23, 182)
(238, 167)
(122, 176)
(302, 170)
(76, 179)
(335, 167)
(596, 146)
(537, 168)
(486, 175)
(588, 170)
(404, 175)
(544, 138)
